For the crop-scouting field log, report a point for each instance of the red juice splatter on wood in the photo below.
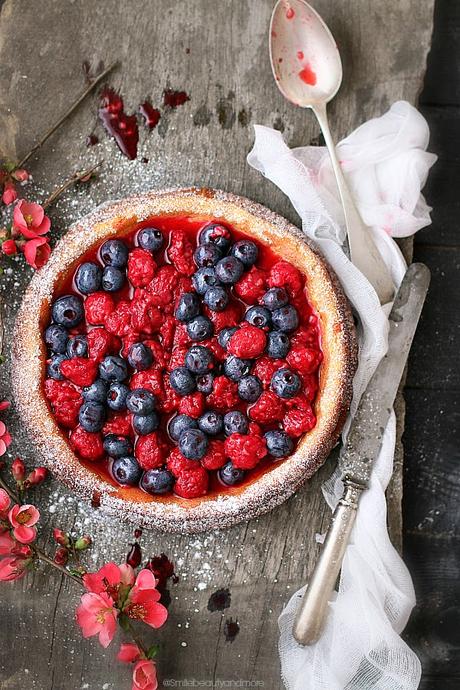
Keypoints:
(150, 114)
(300, 54)
(307, 75)
(92, 140)
(174, 98)
(122, 127)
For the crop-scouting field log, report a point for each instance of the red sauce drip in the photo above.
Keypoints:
(174, 98)
(290, 14)
(307, 75)
(163, 569)
(150, 114)
(300, 54)
(219, 600)
(134, 556)
(231, 629)
(92, 140)
(122, 127)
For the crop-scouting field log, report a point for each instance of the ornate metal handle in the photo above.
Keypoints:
(312, 610)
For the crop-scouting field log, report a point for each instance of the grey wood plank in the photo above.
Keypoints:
(205, 142)
(442, 83)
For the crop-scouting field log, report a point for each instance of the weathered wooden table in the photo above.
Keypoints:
(218, 53)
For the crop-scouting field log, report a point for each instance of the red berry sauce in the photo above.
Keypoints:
(143, 311)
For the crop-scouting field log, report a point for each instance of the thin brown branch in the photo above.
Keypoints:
(68, 113)
(76, 177)
(43, 557)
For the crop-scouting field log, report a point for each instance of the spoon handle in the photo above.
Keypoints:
(363, 252)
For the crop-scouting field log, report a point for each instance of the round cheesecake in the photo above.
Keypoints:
(184, 360)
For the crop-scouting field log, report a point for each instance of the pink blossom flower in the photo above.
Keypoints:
(142, 603)
(4, 503)
(13, 567)
(145, 676)
(29, 219)
(128, 653)
(9, 193)
(37, 476)
(9, 247)
(109, 578)
(7, 544)
(96, 615)
(5, 438)
(37, 252)
(22, 519)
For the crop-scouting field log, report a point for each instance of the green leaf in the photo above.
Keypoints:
(153, 651)
(9, 166)
(124, 622)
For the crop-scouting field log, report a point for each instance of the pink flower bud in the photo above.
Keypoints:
(18, 470)
(37, 476)
(9, 247)
(62, 538)
(21, 175)
(83, 543)
(61, 556)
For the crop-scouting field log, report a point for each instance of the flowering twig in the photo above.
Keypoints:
(67, 114)
(76, 177)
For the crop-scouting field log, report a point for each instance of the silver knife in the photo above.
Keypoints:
(361, 449)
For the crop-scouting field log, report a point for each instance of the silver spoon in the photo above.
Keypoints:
(308, 71)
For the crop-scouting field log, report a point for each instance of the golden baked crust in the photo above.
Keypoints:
(279, 481)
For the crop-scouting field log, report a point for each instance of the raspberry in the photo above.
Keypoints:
(215, 455)
(298, 421)
(192, 405)
(164, 284)
(151, 379)
(177, 358)
(265, 367)
(141, 267)
(145, 317)
(98, 306)
(159, 355)
(79, 370)
(150, 451)
(65, 402)
(216, 349)
(180, 253)
(119, 423)
(248, 342)
(304, 337)
(128, 340)
(252, 286)
(101, 343)
(284, 274)
(176, 463)
(304, 359)
(184, 285)
(224, 394)
(245, 451)
(192, 483)
(254, 429)
(167, 332)
(119, 321)
(269, 408)
(86, 444)
(231, 316)
(181, 337)
(170, 400)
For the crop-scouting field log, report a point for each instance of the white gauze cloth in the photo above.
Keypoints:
(386, 164)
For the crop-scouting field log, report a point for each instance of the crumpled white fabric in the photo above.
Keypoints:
(386, 164)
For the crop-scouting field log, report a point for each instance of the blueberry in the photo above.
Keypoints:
(188, 307)
(88, 277)
(249, 388)
(200, 328)
(225, 335)
(205, 383)
(113, 368)
(258, 316)
(217, 234)
(140, 356)
(230, 475)
(285, 318)
(126, 470)
(77, 346)
(56, 337)
(285, 383)
(246, 252)
(235, 368)
(235, 422)
(53, 369)
(141, 401)
(92, 416)
(275, 298)
(193, 444)
(116, 396)
(96, 392)
(279, 444)
(216, 298)
(179, 424)
(199, 359)
(278, 344)
(207, 255)
(211, 423)
(204, 278)
(157, 481)
(150, 239)
(113, 279)
(68, 311)
(145, 424)
(229, 270)
(114, 253)
(117, 446)
(182, 381)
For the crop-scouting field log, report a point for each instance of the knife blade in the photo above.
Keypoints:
(361, 449)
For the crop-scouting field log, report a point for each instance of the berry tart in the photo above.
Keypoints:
(185, 359)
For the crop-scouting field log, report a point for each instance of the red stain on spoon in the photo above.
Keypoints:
(290, 14)
(307, 75)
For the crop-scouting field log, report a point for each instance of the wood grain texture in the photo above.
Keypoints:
(227, 74)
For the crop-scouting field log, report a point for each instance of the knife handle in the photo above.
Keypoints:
(311, 614)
